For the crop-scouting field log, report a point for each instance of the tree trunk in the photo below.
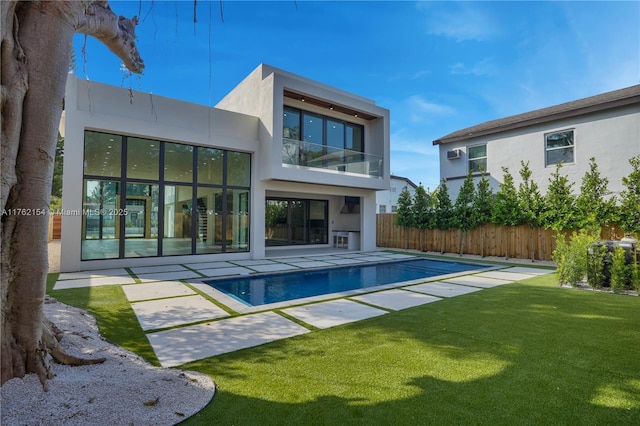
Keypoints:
(36, 50)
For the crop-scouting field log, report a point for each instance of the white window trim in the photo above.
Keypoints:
(572, 129)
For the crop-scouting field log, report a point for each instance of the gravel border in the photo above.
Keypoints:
(124, 390)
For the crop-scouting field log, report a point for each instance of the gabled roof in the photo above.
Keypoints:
(604, 101)
(407, 180)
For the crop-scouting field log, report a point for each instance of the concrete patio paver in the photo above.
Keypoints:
(155, 269)
(156, 290)
(94, 282)
(186, 344)
(221, 272)
(333, 313)
(165, 313)
(169, 276)
(442, 289)
(477, 281)
(273, 267)
(504, 274)
(529, 271)
(396, 299)
(93, 274)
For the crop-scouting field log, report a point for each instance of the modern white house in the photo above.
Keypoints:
(605, 127)
(387, 200)
(281, 162)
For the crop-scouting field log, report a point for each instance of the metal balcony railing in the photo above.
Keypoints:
(301, 153)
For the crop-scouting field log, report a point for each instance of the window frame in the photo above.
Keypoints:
(325, 119)
(470, 159)
(572, 147)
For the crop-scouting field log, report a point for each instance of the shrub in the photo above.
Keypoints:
(571, 257)
(620, 271)
(635, 276)
(596, 265)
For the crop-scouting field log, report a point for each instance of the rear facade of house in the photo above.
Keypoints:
(281, 162)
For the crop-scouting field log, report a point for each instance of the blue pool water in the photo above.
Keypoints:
(264, 289)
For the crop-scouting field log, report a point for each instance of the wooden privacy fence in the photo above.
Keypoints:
(523, 241)
(55, 227)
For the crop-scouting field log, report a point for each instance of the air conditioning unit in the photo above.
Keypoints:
(455, 154)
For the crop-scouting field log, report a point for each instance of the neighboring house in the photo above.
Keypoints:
(387, 200)
(280, 162)
(606, 127)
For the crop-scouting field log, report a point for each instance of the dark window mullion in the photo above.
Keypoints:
(122, 219)
(195, 211)
(161, 200)
(224, 202)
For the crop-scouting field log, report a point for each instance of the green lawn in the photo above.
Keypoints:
(524, 353)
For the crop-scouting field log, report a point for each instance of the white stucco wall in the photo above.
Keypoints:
(611, 136)
(261, 94)
(90, 105)
(389, 197)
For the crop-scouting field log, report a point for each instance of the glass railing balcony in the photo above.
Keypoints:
(301, 153)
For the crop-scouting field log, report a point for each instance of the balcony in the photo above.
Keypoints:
(330, 159)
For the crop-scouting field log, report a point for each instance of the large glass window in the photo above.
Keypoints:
(238, 169)
(210, 213)
(296, 221)
(155, 208)
(178, 162)
(477, 158)
(291, 124)
(178, 216)
(312, 128)
(237, 220)
(559, 147)
(102, 154)
(322, 130)
(100, 220)
(210, 166)
(141, 220)
(335, 134)
(354, 137)
(143, 158)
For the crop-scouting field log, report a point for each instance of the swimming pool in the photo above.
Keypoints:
(265, 289)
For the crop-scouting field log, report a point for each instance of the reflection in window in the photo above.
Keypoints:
(296, 221)
(178, 205)
(335, 134)
(143, 157)
(559, 147)
(477, 158)
(141, 220)
(291, 124)
(237, 220)
(126, 215)
(210, 165)
(238, 169)
(102, 153)
(210, 226)
(312, 128)
(178, 162)
(100, 220)
(322, 130)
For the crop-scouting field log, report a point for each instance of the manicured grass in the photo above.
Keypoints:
(524, 353)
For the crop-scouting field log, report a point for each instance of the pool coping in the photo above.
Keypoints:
(242, 308)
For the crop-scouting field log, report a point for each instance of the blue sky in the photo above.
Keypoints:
(438, 66)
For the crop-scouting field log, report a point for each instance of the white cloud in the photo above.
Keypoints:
(482, 68)
(460, 21)
(422, 110)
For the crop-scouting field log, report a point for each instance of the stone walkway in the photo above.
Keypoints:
(176, 309)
